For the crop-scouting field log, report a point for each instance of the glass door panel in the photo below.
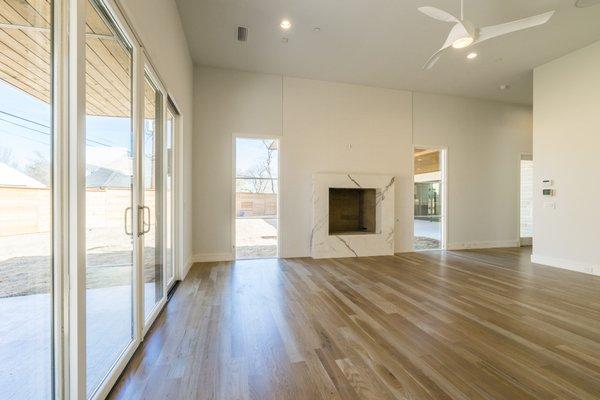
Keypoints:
(109, 195)
(26, 161)
(169, 212)
(152, 197)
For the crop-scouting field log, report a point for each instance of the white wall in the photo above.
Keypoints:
(158, 26)
(484, 142)
(319, 120)
(566, 143)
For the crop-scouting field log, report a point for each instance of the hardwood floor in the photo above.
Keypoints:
(483, 324)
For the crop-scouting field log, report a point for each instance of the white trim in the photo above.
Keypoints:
(153, 314)
(115, 371)
(60, 197)
(484, 244)
(212, 257)
(571, 265)
(75, 233)
(235, 136)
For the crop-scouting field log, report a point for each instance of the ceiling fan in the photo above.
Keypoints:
(464, 33)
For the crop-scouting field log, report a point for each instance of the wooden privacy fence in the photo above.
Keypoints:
(27, 210)
(255, 204)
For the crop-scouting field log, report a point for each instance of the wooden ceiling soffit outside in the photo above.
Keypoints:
(426, 161)
(26, 57)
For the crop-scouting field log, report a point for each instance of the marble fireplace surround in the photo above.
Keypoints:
(324, 245)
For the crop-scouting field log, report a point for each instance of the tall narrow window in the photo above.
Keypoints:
(109, 194)
(152, 198)
(26, 161)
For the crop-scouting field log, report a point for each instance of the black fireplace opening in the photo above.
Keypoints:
(352, 211)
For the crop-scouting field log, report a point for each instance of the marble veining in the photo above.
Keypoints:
(324, 245)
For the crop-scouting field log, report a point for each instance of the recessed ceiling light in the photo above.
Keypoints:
(504, 87)
(316, 29)
(285, 24)
(471, 56)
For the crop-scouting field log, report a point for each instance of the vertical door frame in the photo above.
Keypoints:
(172, 108)
(60, 197)
(74, 233)
(233, 235)
(444, 189)
(151, 74)
(178, 204)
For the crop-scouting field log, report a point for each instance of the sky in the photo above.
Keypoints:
(251, 152)
(25, 130)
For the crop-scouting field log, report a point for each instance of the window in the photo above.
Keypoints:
(109, 194)
(26, 191)
(152, 197)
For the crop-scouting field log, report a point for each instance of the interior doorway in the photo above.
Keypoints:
(526, 200)
(429, 199)
(256, 197)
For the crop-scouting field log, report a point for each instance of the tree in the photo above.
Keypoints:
(39, 169)
(7, 157)
(259, 176)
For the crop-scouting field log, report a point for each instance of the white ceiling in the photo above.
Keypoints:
(385, 42)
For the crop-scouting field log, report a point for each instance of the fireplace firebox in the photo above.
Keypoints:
(352, 211)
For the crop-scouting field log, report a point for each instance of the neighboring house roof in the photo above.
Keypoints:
(10, 176)
(107, 178)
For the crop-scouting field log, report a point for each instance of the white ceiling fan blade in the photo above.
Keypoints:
(433, 59)
(586, 3)
(456, 32)
(489, 32)
(438, 14)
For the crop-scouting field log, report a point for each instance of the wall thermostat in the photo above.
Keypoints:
(547, 192)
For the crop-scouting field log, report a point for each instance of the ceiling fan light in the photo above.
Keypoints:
(462, 42)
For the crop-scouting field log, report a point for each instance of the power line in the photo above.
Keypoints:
(24, 119)
(47, 133)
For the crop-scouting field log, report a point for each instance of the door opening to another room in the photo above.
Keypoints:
(526, 200)
(429, 199)
(256, 197)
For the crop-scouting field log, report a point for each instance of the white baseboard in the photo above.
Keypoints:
(484, 245)
(571, 265)
(213, 257)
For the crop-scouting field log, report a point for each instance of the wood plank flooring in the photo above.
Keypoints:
(480, 324)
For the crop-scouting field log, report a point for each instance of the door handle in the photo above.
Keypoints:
(149, 220)
(127, 210)
(140, 220)
(143, 226)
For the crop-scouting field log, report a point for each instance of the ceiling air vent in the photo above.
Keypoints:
(242, 34)
(586, 3)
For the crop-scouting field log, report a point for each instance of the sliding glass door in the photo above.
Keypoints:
(26, 193)
(110, 161)
(152, 208)
(85, 247)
